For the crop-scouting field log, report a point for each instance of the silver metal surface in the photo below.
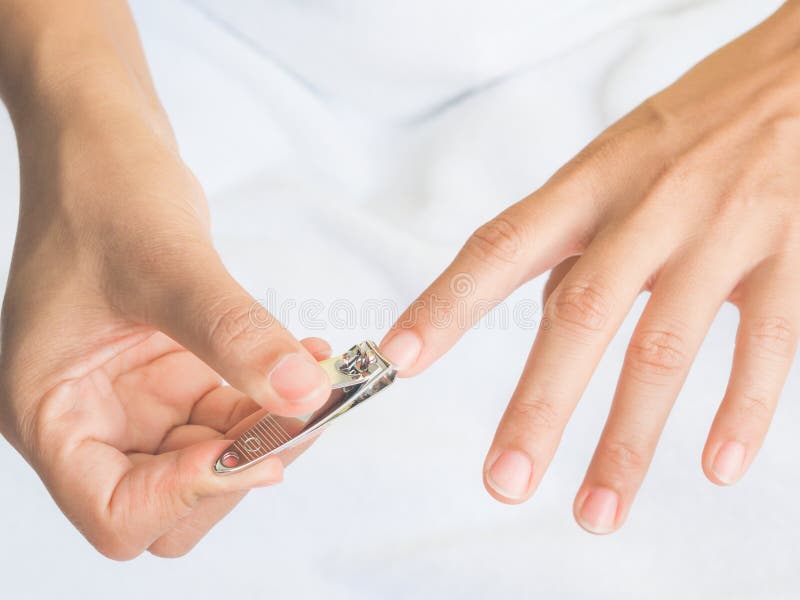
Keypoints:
(356, 375)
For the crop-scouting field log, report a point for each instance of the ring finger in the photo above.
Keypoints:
(685, 298)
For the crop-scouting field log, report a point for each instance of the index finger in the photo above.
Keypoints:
(523, 241)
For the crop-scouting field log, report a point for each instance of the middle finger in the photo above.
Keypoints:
(580, 318)
(684, 300)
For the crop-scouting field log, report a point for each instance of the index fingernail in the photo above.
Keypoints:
(403, 348)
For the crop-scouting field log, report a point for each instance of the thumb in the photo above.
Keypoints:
(210, 314)
(122, 504)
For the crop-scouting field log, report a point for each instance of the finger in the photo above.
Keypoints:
(766, 343)
(319, 348)
(183, 436)
(201, 306)
(122, 505)
(219, 411)
(556, 275)
(189, 530)
(224, 407)
(685, 298)
(579, 320)
(518, 244)
(555, 222)
(177, 377)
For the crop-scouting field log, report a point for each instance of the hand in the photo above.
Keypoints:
(118, 321)
(694, 197)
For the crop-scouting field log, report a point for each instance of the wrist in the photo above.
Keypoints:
(52, 77)
(88, 94)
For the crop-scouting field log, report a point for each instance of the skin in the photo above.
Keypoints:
(120, 320)
(692, 197)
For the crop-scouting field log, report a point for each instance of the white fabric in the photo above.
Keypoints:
(348, 148)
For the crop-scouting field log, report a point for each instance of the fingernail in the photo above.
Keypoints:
(403, 348)
(599, 511)
(296, 377)
(729, 462)
(510, 475)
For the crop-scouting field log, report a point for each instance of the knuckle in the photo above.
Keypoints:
(498, 241)
(781, 130)
(583, 305)
(232, 328)
(623, 456)
(728, 204)
(612, 145)
(171, 546)
(755, 403)
(110, 544)
(673, 176)
(536, 413)
(52, 423)
(657, 353)
(241, 409)
(593, 159)
(111, 527)
(655, 116)
(180, 496)
(770, 337)
(115, 551)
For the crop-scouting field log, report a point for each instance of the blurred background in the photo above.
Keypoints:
(373, 137)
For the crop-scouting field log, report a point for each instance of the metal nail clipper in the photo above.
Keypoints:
(356, 375)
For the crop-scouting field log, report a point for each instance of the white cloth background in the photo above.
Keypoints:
(347, 149)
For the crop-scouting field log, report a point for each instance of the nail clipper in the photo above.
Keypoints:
(356, 375)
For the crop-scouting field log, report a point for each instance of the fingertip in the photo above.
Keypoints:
(320, 349)
(499, 496)
(725, 464)
(508, 477)
(597, 510)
